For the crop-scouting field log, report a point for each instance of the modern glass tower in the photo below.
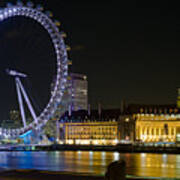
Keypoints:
(78, 90)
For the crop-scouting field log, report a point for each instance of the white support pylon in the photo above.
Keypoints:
(20, 102)
(28, 101)
(20, 89)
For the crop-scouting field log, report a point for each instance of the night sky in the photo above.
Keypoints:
(129, 51)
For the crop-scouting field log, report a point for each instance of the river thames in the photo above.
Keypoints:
(138, 164)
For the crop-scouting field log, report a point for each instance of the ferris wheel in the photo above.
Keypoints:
(60, 50)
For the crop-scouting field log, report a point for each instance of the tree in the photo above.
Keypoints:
(50, 129)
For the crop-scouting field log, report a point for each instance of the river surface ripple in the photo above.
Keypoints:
(138, 164)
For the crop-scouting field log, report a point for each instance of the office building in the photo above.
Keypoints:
(77, 87)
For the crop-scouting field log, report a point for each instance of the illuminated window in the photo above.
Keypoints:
(143, 131)
(152, 131)
(127, 119)
(157, 132)
(162, 131)
(147, 131)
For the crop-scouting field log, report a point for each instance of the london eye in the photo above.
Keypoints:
(32, 46)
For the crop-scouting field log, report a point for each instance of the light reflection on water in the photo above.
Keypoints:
(139, 164)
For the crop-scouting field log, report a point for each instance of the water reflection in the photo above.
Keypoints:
(139, 164)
